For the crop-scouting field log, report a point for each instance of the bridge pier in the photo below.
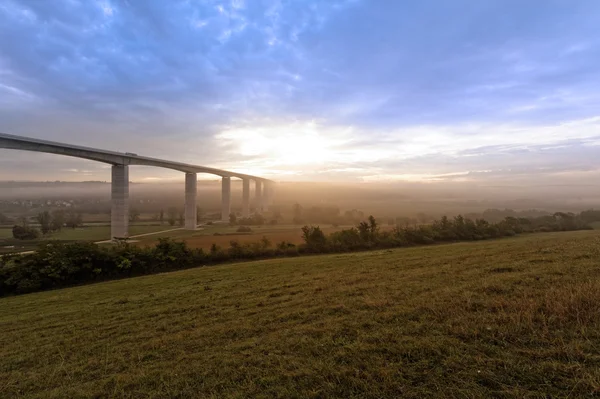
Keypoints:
(119, 215)
(246, 198)
(258, 195)
(191, 193)
(225, 198)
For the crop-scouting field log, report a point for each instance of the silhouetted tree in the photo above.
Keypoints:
(58, 220)
(314, 238)
(45, 221)
(172, 216)
(134, 215)
(73, 219)
(24, 232)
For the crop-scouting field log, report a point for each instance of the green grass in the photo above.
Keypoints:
(97, 233)
(86, 233)
(5, 232)
(218, 229)
(516, 317)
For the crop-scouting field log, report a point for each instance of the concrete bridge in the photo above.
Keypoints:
(120, 179)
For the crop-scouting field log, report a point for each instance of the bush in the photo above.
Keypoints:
(314, 239)
(244, 229)
(24, 233)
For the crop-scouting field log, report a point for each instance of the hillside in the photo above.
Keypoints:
(509, 318)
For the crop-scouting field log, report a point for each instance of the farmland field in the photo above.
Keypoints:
(222, 235)
(514, 317)
(86, 233)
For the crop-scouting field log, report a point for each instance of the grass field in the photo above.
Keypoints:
(204, 237)
(222, 235)
(5, 232)
(86, 233)
(516, 317)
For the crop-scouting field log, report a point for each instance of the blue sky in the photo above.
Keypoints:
(351, 90)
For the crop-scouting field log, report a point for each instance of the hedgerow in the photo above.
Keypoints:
(56, 264)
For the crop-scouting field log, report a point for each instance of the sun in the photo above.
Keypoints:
(289, 145)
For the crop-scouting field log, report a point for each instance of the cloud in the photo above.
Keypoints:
(307, 89)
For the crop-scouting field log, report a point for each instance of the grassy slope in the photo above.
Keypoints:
(510, 318)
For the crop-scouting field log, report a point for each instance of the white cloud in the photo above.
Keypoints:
(315, 148)
(106, 8)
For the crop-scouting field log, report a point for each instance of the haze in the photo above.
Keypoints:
(472, 92)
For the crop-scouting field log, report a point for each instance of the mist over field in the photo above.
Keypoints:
(382, 199)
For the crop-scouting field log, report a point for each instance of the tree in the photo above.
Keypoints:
(58, 220)
(363, 231)
(73, 219)
(134, 215)
(161, 217)
(24, 232)
(368, 230)
(232, 218)
(45, 221)
(172, 216)
(373, 227)
(314, 238)
(181, 218)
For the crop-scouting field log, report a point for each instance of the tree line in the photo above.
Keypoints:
(49, 222)
(57, 264)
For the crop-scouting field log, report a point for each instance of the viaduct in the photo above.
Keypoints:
(120, 179)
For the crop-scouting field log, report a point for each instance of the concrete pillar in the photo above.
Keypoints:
(225, 199)
(258, 194)
(246, 198)
(119, 215)
(191, 193)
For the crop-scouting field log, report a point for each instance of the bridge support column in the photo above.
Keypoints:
(258, 195)
(191, 193)
(225, 199)
(246, 198)
(119, 215)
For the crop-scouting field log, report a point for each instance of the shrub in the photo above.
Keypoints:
(25, 233)
(314, 238)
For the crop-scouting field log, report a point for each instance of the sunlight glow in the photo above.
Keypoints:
(294, 144)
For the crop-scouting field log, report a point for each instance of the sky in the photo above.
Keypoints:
(336, 90)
